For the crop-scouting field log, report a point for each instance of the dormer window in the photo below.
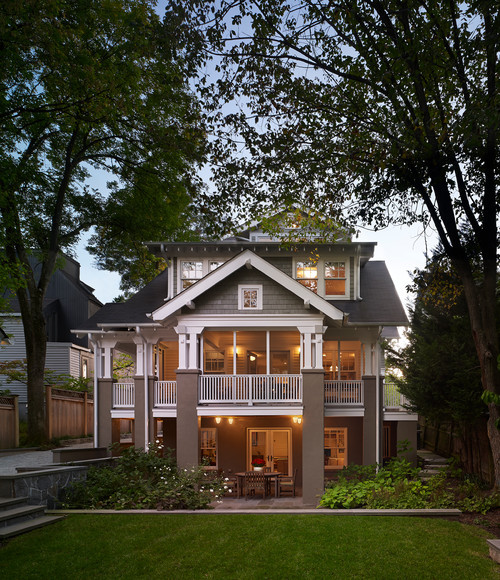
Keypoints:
(307, 275)
(335, 278)
(191, 272)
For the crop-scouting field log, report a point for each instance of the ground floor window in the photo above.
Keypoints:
(208, 446)
(335, 447)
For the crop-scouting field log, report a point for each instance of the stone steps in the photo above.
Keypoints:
(17, 517)
(431, 464)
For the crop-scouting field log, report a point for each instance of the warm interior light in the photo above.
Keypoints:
(252, 357)
(230, 420)
(297, 420)
(218, 420)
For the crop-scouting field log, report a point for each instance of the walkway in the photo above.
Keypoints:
(9, 462)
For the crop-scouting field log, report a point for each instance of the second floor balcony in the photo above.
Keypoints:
(257, 390)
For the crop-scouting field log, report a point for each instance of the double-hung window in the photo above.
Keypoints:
(191, 272)
(335, 278)
(307, 275)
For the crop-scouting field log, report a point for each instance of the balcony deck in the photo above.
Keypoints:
(262, 391)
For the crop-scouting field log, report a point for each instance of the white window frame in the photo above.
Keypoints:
(207, 266)
(241, 302)
(321, 280)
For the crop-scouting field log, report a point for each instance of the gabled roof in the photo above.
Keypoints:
(250, 260)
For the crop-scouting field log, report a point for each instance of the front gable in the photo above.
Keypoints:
(218, 291)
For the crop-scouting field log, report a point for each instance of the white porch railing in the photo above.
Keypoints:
(250, 389)
(344, 393)
(123, 395)
(165, 393)
(392, 397)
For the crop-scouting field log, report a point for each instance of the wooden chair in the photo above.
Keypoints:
(285, 484)
(255, 480)
(231, 485)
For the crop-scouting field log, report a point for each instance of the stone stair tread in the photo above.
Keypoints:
(19, 511)
(7, 502)
(27, 526)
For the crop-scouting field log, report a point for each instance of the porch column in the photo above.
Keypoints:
(313, 463)
(372, 428)
(104, 398)
(187, 418)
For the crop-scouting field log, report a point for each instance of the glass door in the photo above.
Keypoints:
(273, 446)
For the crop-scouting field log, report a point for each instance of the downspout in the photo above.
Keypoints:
(96, 392)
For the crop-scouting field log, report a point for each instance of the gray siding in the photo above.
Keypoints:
(283, 264)
(13, 327)
(223, 298)
(352, 279)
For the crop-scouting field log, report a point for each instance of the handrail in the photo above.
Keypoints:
(250, 389)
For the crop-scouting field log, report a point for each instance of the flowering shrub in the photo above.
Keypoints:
(145, 480)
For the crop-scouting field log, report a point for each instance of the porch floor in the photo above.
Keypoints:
(258, 503)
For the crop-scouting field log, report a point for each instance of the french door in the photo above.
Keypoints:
(273, 446)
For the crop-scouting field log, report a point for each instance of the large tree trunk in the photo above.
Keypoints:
(482, 305)
(36, 347)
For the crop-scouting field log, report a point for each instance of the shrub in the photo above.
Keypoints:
(144, 480)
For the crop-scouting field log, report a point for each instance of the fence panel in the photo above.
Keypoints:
(9, 422)
(69, 413)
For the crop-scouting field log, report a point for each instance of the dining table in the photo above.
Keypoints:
(267, 474)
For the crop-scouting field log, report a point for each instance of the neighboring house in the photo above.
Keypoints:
(244, 349)
(68, 303)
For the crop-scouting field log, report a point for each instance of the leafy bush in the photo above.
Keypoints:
(144, 480)
(397, 486)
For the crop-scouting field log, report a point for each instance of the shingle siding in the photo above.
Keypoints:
(223, 298)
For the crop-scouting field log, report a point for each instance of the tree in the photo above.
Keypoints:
(86, 85)
(374, 111)
(441, 377)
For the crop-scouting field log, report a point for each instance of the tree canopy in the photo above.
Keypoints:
(86, 86)
(374, 111)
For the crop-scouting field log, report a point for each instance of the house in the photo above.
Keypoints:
(68, 303)
(246, 349)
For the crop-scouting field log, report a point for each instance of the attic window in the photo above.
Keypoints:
(250, 297)
(191, 272)
(307, 275)
(335, 278)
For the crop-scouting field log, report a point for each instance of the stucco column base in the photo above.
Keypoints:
(313, 437)
(187, 418)
(104, 406)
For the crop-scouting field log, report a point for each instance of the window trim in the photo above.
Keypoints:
(345, 457)
(241, 290)
(321, 279)
(215, 439)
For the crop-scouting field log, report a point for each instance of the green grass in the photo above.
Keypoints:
(247, 547)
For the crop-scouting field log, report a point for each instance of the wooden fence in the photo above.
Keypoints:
(69, 413)
(9, 422)
(470, 445)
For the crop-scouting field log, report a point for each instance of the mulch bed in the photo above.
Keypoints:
(489, 521)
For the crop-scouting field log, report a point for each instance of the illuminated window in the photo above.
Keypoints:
(191, 272)
(307, 275)
(214, 361)
(335, 279)
(250, 297)
(335, 448)
(208, 446)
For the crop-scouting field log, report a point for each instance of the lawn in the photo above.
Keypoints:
(248, 546)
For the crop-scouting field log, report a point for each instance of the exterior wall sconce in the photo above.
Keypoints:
(218, 420)
(230, 420)
(253, 357)
(297, 420)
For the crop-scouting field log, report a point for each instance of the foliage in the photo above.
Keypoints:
(88, 87)
(145, 480)
(123, 367)
(17, 371)
(397, 486)
(375, 112)
(440, 374)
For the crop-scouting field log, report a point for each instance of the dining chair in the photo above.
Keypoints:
(286, 483)
(255, 480)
